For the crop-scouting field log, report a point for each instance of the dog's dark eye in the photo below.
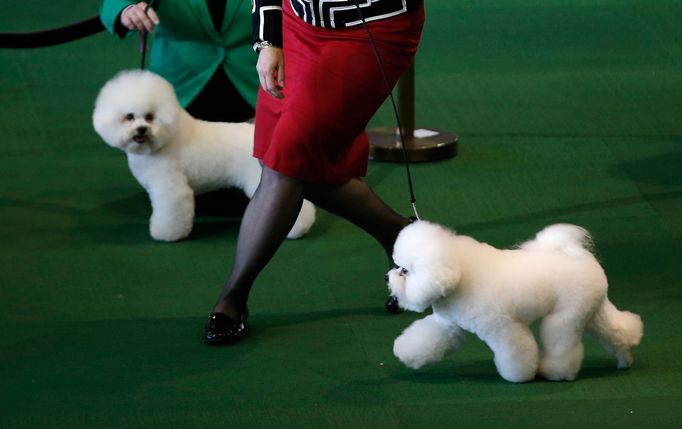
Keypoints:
(403, 271)
(149, 117)
(129, 117)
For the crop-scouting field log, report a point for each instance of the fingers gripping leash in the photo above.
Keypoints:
(143, 36)
(413, 200)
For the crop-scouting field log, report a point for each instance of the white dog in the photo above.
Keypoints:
(174, 156)
(496, 294)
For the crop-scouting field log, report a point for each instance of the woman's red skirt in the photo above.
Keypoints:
(333, 87)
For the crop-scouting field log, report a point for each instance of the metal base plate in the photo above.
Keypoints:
(427, 145)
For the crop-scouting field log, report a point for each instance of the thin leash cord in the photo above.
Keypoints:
(143, 37)
(413, 200)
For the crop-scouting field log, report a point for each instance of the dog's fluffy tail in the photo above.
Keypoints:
(563, 237)
(617, 331)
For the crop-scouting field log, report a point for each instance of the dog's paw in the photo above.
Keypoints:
(426, 341)
(165, 232)
(557, 371)
(410, 352)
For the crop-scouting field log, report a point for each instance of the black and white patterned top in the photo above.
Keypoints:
(267, 14)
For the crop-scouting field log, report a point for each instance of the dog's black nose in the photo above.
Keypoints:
(142, 130)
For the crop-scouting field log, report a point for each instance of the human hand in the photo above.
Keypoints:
(134, 17)
(270, 68)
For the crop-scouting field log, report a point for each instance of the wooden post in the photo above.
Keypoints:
(406, 105)
(426, 145)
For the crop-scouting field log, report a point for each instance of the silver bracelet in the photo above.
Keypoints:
(261, 45)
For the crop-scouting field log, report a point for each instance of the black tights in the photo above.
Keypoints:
(272, 212)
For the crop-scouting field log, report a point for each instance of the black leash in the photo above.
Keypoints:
(413, 200)
(143, 37)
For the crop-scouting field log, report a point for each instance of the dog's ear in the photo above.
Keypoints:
(441, 271)
(166, 103)
(106, 120)
(445, 273)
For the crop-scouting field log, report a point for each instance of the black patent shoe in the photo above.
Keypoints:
(392, 302)
(392, 305)
(223, 329)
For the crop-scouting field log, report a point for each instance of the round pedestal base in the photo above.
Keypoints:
(425, 146)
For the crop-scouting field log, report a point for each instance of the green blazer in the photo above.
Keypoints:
(186, 49)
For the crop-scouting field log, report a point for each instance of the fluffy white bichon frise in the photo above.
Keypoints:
(496, 294)
(175, 156)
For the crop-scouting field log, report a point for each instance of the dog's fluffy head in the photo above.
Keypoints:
(427, 266)
(136, 111)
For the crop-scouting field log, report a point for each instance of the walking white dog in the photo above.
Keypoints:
(496, 294)
(174, 156)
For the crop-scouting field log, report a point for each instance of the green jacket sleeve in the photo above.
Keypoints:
(109, 11)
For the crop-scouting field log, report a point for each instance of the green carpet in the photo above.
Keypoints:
(567, 111)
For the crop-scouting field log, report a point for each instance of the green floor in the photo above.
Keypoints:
(567, 111)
